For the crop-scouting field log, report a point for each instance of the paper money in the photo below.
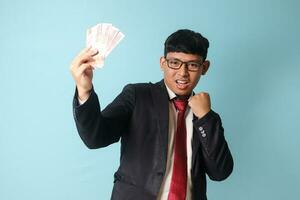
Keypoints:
(104, 37)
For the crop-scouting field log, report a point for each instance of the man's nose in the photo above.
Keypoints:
(183, 71)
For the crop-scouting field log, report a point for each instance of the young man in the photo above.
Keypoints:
(170, 137)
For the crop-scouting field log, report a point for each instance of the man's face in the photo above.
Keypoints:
(182, 81)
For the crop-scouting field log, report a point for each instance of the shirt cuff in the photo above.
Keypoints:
(80, 102)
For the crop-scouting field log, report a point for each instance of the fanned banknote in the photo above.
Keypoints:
(104, 37)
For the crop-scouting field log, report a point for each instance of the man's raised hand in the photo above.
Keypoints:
(82, 71)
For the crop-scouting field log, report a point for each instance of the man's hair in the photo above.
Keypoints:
(187, 41)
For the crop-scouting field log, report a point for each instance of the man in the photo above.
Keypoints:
(170, 137)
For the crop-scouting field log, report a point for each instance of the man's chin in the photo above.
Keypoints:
(182, 92)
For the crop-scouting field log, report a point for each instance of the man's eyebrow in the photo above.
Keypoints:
(197, 61)
(174, 58)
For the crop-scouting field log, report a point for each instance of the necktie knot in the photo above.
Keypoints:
(180, 104)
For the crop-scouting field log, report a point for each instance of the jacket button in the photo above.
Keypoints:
(200, 128)
(203, 135)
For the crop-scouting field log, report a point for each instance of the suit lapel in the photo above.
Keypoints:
(195, 144)
(161, 105)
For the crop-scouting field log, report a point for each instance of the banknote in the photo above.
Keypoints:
(104, 37)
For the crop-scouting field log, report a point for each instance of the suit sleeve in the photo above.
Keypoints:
(217, 157)
(101, 128)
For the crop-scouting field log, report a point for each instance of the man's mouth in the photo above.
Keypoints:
(181, 84)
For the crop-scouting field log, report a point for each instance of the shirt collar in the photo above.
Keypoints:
(171, 94)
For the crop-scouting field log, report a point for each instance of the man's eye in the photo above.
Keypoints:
(174, 62)
(193, 65)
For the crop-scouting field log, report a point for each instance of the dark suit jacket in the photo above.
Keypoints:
(139, 117)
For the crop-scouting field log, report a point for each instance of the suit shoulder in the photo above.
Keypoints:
(141, 86)
(142, 90)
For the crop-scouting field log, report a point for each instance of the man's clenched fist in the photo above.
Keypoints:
(200, 104)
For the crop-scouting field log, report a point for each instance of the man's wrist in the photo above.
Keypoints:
(83, 95)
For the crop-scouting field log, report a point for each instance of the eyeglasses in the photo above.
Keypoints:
(192, 66)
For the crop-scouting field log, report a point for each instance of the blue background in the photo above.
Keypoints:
(252, 81)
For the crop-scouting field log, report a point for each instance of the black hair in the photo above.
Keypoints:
(187, 41)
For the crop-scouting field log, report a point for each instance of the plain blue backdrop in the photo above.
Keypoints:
(253, 82)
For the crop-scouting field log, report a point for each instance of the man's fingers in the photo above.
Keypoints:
(90, 51)
(84, 67)
(202, 96)
(76, 61)
(88, 60)
(84, 56)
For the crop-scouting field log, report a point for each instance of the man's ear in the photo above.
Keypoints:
(205, 67)
(162, 62)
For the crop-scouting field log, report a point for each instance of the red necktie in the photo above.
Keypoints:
(179, 175)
